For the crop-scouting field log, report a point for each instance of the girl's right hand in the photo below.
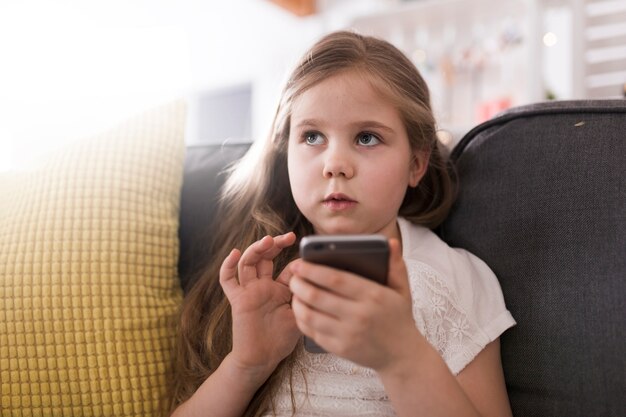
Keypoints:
(264, 327)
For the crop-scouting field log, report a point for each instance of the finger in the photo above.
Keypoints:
(345, 284)
(312, 322)
(285, 275)
(256, 261)
(265, 268)
(320, 299)
(284, 240)
(398, 276)
(247, 266)
(228, 272)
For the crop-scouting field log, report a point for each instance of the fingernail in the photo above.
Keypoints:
(292, 282)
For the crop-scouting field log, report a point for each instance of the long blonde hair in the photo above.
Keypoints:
(257, 199)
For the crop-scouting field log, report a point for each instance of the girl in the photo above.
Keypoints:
(352, 150)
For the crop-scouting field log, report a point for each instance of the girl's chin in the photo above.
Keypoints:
(340, 229)
(347, 227)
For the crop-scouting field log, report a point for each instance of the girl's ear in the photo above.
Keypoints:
(418, 167)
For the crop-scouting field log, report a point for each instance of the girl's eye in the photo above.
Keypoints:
(368, 139)
(313, 138)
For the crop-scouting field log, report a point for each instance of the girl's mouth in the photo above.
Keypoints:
(338, 202)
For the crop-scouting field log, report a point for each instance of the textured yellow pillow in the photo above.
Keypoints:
(88, 279)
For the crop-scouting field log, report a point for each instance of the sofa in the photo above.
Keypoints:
(100, 240)
(543, 201)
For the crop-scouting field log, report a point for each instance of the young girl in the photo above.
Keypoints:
(352, 150)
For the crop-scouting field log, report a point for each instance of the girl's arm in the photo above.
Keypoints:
(226, 393)
(419, 378)
(424, 382)
(483, 382)
(264, 330)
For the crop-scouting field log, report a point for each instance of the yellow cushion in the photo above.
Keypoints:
(88, 278)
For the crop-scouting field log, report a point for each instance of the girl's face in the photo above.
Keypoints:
(349, 157)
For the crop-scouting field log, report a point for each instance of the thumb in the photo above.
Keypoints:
(398, 277)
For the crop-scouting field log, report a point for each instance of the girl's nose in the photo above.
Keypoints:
(337, 164)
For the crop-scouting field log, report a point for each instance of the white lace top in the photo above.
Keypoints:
(457, 305)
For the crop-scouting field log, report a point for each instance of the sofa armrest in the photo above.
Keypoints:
(543, 203)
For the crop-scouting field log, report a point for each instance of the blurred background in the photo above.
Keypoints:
(69, 68)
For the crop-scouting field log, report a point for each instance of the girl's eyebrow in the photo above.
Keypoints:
(373, 124)
(308, 123)
(365, 124)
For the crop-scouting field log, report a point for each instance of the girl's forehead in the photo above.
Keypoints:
(344, 104)
(351, 78)
(347, 87)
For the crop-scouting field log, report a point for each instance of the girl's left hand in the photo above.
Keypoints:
(355, 318)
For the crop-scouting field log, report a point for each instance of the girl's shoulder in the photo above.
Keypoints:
(457, 299)
(470, 280)
(422, 244)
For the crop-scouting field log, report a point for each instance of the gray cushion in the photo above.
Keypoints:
(203, 178)
(543, 203)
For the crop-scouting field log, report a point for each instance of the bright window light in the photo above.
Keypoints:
(67, 74)
(549, 39)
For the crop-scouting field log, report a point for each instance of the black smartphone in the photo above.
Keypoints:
(364, 255)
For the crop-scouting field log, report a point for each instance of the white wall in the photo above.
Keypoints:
(72, 67)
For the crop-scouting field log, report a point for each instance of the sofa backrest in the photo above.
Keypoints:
(543, 203)
(204, 174)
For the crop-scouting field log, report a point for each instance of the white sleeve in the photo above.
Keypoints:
(457, 300)
(480, 295)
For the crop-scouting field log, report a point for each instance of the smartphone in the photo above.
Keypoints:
(364, 255)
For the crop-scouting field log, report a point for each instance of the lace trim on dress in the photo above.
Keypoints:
(441, 319)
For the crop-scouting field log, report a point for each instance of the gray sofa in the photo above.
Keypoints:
(543, 202)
